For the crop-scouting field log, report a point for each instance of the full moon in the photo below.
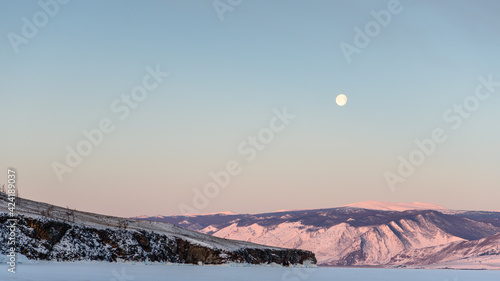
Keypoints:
(341, 100)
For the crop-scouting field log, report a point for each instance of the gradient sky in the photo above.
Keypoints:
(225, 79)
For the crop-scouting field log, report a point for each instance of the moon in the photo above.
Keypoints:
(341, 100)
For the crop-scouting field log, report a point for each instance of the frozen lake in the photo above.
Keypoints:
(141, 272)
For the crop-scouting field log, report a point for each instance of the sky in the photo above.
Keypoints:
(212, 106)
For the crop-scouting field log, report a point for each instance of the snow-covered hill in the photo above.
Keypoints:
(48, 232)
(482, 253)
(350, 235)
(394, 206)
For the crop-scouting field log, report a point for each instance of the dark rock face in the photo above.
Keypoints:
(284, 257)
(51, 239)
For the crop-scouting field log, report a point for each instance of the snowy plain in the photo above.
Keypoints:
(99, 271)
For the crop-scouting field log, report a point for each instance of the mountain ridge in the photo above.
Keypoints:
(350, 236)
(371, 205)
(394, 206)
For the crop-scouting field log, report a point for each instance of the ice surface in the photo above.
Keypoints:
(98, 271)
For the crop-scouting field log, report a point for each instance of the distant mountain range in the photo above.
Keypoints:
(394, 206)
(366, 234)
(47, 232)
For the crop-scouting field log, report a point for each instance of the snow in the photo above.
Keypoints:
(95, 271)
(209, 229)
(20, 259)
(141, 217)
(393, 206)
(283, 210)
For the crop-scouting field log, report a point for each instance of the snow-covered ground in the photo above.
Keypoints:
(96, 271)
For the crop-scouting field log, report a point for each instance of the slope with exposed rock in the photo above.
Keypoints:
(46, 232)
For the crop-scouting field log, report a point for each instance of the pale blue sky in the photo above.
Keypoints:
(226, 78)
